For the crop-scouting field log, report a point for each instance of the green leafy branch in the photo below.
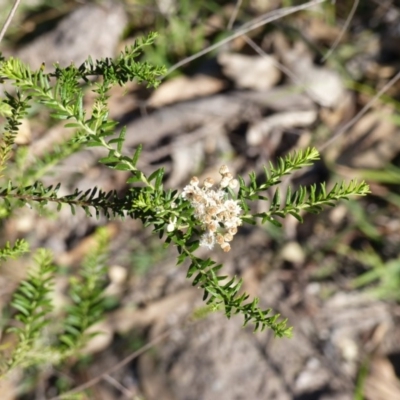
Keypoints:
(17, 110)
(16, 250)
(87, 296)
(136, 202)
(65, 96)
(169, 213)
(32, 300)
(217, 293)
(311, 199)
(120, 70)
(273, 174)
(157, 207)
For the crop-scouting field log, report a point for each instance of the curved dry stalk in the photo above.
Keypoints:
(361, 113)
(105, 374)
(265, 19)
(342, 32)
(126, 392)
(283, 69)
(9, 18)
(234, 15)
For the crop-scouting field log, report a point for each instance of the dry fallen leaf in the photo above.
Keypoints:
(263, 128)
(9, 385)
(100, 25)
(381, 382)
(372, 143)
(184, 88)
(323, 84)
(100, 341)
(250, 72)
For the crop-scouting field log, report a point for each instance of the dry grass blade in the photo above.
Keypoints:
(9, 18)
(127, 393)
(114, 368)
(282, 68)
(234, 14)
(362, 112)
(265, 19)
(342, 32)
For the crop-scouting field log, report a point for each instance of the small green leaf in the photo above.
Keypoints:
(296, 215)
(137, 155)
(122, 167)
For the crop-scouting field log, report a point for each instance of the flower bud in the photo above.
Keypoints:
(228, 237)
(224, 182)
(233, 184)
(194, 181)
(208, 182)
(223, 170)
(220, 239)
(225, 247)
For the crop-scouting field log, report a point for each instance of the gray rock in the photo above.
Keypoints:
(92, 30)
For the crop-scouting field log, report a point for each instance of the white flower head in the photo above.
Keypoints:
(207, 239)
(223, 170)
(218, 215)
(194, 181)
(208, 183)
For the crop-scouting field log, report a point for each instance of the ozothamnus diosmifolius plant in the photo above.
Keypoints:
(202, 214)
(33, 303)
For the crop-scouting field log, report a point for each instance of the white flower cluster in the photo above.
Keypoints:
(218, 216)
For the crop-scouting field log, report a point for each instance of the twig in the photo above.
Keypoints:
(9, 18)
(357, 117)
(342, 32)
(234, 14)
(115, 367)
(267, 18)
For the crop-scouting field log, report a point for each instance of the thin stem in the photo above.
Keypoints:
(361, 113)
(114, 368)
(9, 18)
(283, 69)
(127, 393)
(234, 14)
(273, 16)
(342, 32)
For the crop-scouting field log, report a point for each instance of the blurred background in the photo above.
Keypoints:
(256, 97)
